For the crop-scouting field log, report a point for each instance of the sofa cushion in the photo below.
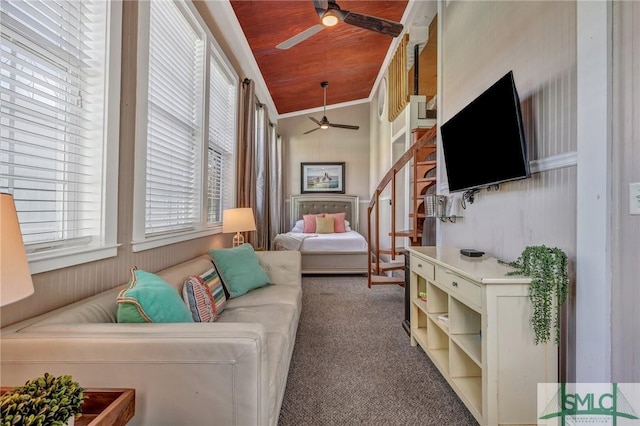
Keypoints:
(269, 295)
(239, 269)
(148, 298)
(177, 274)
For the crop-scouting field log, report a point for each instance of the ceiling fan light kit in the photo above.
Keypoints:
(330, 14)
(324, 122)
(330, 19)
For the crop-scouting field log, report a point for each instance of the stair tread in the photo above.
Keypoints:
(388, 266)
(407, 233)
(383, 279)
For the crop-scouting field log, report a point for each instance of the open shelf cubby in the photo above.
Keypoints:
(475, 328)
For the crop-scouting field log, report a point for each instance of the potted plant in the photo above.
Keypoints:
(46, 400)
(548, 269)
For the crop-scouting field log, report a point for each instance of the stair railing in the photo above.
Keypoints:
(390, 177)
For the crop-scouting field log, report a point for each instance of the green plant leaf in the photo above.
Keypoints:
(548, 269)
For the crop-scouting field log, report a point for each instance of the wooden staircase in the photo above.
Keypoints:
(421, 157)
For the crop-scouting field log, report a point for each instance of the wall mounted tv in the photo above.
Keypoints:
(484, 143)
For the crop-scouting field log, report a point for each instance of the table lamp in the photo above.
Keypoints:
(238, 220)
(15, 279)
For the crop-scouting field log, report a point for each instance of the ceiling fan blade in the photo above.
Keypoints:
(321, 6)
(373, 23)
(344, 126)
(312, 130)
(315, 121)
(287, 44)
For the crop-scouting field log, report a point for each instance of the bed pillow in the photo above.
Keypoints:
(298, 227)
(310, 222)
(338, 224)
(324, 225)
(148, 298)
(347, 226)
(239, 269)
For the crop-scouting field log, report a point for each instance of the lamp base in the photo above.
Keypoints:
(238, 239)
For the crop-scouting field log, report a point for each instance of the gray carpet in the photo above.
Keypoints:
(353, 363)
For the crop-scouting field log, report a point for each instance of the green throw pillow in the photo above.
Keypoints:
(148, 298)
(239, 269)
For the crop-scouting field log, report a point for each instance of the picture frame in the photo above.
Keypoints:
(321, 178)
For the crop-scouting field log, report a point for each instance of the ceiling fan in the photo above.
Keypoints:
(324, 122)
(330, 14)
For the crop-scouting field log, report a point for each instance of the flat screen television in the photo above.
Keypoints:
(484, 143)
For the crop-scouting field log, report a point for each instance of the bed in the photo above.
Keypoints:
(338, 253)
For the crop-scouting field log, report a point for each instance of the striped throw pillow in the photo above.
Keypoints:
(204, 296)
(213, 282)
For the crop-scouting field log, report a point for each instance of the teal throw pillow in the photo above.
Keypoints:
(239, 269)
(148, 298)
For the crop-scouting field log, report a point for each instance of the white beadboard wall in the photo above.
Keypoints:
(60, 287)
(625, 247)
(482, 41)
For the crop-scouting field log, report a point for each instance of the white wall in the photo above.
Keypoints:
(575, 66)
(480, 42)
(625, 244)
(330, 145)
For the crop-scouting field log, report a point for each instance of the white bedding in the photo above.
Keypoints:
(349, 241)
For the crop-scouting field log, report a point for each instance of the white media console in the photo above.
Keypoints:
(475, 327)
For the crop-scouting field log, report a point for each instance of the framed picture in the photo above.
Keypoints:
(322, 178)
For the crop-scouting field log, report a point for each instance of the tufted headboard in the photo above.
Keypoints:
(325, 203)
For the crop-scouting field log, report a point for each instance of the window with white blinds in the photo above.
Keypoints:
(56, 123)
(223, 93)
(174, 121)
(186, 129)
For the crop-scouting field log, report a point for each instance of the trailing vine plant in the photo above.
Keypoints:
(548, 269)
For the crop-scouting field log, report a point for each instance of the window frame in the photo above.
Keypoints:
(140, 241)
(61, 257)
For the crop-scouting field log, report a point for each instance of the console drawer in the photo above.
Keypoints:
(422, 267)
(460, 287)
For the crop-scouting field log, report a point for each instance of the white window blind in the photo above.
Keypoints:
(222, 121)
(53, 119)
(174, 121)
(185, 127)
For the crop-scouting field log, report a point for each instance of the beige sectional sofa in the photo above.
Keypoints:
(230, 372)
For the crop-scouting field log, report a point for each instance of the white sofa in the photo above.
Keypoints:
(230, 372)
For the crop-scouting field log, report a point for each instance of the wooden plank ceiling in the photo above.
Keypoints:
(348, 57)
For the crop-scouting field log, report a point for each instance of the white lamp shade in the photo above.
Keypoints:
(238, 220)
(15, 279)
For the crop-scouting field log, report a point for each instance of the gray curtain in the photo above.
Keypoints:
(259, 172)
(276, 178)
(246, 158)
(261, 208)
